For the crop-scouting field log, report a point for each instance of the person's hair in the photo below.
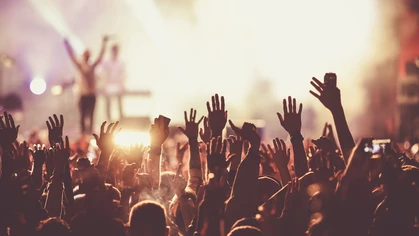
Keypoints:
(267, 187)
(147, 218)
(245, 231)
(84, 224)
(248, 221)
(53, 226)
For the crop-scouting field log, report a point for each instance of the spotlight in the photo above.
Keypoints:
(38, 86)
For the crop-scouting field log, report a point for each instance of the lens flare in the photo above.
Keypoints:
(127, 138)
(38, 86)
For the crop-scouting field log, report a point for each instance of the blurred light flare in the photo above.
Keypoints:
(127, 138)
(56, 90)
(38, 85)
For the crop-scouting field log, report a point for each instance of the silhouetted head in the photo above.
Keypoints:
(148, 218)
(115, 51)
(86, 55)
(52, 227)
(267, 187)
(245, 231)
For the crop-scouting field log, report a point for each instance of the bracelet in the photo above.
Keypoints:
(297, 137)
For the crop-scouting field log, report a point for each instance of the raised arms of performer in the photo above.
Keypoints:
(70, 52)
(102, 51)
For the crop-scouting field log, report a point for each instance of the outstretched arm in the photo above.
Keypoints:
(245, 183)
(102, 51)
(329, 96)
(70, 52)
(291, 121)
(191, 131)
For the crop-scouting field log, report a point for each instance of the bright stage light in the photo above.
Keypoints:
(48, 10)
(127, 138)
(38, 86)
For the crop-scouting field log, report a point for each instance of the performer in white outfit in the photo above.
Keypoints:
(113, 71)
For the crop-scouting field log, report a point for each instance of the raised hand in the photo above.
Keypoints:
(325, 144)
(329, 96)
(55, 128)
(281, 158)
(216, 155)
(105, 38)
(320, 165)
(8, 131)
(236, 149)
(62, 154)
(158, 133)
(266, 161)
(291, 197)
(106, 139)
(39, 154)
(236, 145)
(205, 133)
(291, 120)
(328, 132)
(180, 151)
(191, 127)
(128, 175)
(49, 162)
(217, 116)
(22, 162)
(280, 154)
(248, 132)
(136, 155)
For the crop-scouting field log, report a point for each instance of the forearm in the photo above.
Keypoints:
(187, 210)
(346, 140)
(300, 159)
(102, 52)
(243, 192)
(68, 188)
(208, 220)
(284, 174)
(195, 173)
(103, 163)
(155, 160)
(232, 170)
(54, 197)
(36, 177)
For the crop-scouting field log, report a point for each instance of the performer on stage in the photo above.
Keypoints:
(113, 71)
(86, 84)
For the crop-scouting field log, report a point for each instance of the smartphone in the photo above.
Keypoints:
(166, 120)
(330, 80)
(378, 146)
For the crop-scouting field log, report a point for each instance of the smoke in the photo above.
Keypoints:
(185, 51)
(383, 66)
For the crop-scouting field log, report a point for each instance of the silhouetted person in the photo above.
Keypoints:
(86, 84)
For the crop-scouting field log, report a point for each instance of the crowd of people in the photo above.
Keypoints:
(234, 185)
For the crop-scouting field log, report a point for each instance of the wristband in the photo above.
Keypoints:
(296, 138)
